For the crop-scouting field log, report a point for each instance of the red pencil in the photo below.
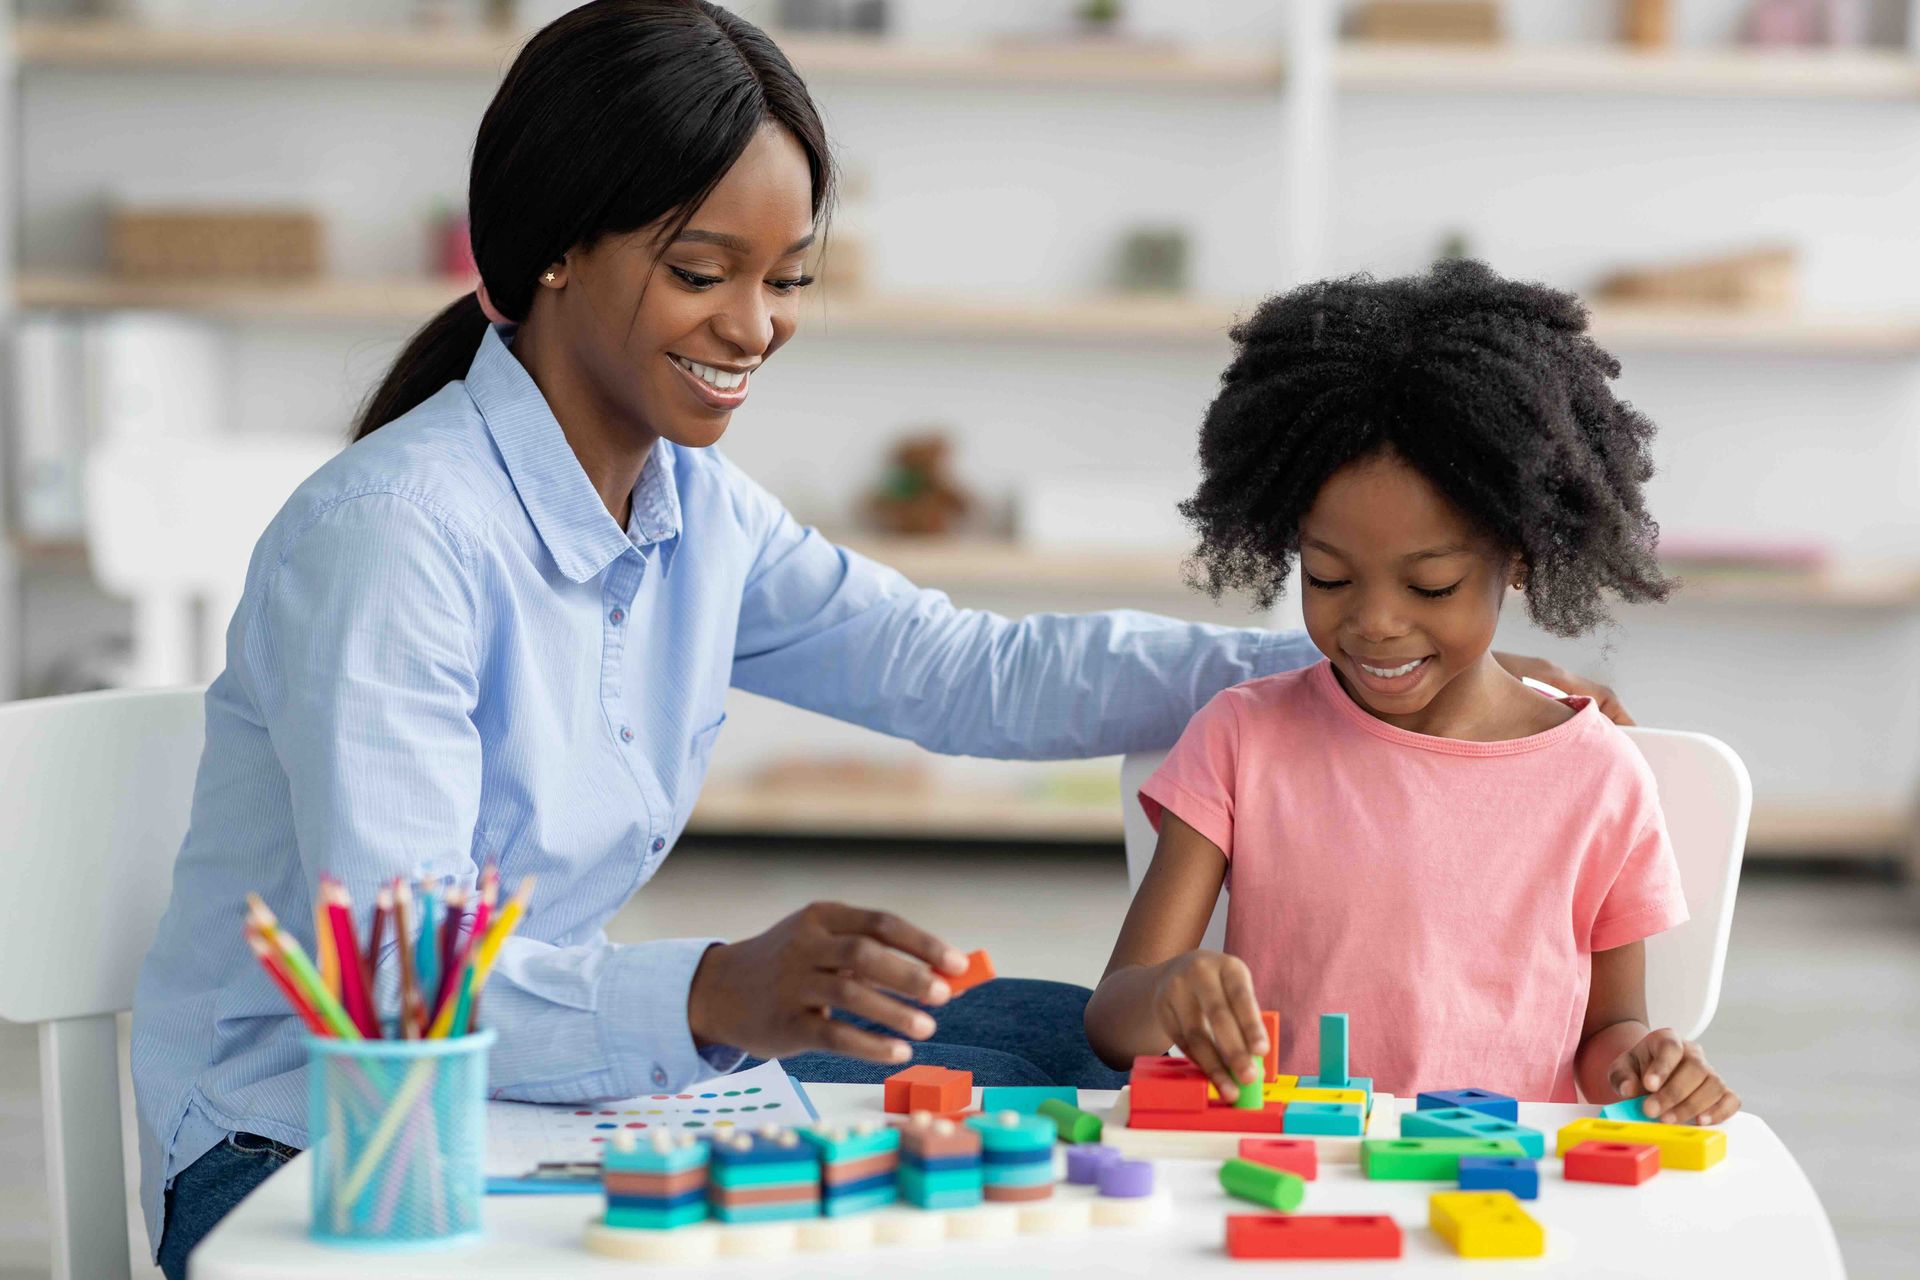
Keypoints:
(353, 994)
(382, 908)
(449, 949)
(276, 969)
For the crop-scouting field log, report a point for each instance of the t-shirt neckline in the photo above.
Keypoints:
(1329, 686)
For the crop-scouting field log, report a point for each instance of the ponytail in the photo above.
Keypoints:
(438, 354)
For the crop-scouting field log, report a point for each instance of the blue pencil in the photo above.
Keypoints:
(427, 952)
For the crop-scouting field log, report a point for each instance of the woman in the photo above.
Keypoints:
(502, 624)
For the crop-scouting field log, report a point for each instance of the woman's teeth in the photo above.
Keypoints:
(1388, 673)
(718, 379)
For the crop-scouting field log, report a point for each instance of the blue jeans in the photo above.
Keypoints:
(1011, 1031)
(208, 1189)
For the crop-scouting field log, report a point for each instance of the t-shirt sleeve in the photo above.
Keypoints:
(1646, 897)
(1196, 780)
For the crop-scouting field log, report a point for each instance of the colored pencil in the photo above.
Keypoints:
(305, 976)
(277, 970)
(410, 1013)
(456, 903)
(463, 997)
(323, 952)
(426, 952)
(352, 993)
(483, 957)
(376, 936)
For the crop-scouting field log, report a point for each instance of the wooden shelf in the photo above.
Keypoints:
(1728, 329)
(97, 45)
(1511, 69)
(396, 300)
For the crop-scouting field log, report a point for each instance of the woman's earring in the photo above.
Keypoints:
(548, 278)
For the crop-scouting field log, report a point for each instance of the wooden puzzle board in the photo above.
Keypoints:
(1170, 1144)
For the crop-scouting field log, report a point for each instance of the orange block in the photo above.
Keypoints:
(928, 1088)
(1271, 1020)
(979, 970)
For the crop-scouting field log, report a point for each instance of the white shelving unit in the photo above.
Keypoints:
(1293, 86)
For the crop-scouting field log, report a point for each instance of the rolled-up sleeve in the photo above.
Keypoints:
(827, 629)
(368, 628)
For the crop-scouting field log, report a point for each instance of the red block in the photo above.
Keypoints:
(979, 970)
(1312, 1235)
(1296, 1155)
(1627, 1163)
(1271, 1020)
(1216, 1117)
(1167, 1084)
(927, 1088)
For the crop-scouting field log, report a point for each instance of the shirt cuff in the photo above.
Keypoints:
(643, 1019)
(1281, 651)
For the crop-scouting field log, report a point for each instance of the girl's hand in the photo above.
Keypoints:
(1685, 1089)
(775, 993)
(1205, 1001)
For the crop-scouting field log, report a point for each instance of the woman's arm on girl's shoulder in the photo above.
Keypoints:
(1620, 1058)
(1158, 990)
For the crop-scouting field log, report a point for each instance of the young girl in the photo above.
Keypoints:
(1414, 836)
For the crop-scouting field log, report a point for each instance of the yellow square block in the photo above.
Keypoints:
(1275, 1090)
(1682, 1146)
(1485, 1224)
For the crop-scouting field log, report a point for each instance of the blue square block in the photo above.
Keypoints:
(1633, 1110)
(1501, 1173)
(1333, 1050)
(1324, 1119)
(1026, 1099)
(1498, 1105)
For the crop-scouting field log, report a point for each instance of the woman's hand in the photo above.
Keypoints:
(775, 993)
(1560, 678)
(1685, 1089)
(1205, 1002)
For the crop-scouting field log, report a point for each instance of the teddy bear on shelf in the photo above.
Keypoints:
(917, 493)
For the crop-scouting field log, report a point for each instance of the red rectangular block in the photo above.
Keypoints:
(1310, 1235)
(1626, 1163)
(1166, 1084)
(1270, 1019)
(1216, 1117)
(927, 1088)
(1299, 1156)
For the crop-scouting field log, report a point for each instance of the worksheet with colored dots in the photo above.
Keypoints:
(522, 1136)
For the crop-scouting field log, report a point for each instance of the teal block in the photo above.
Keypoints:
(916, 1182)
(785, 1211)
(647, 1157)
(1011, 1131)
(1333, 1051)
(764, 1175)
(1465, 1122)
(1026, 1099)
(1630, 1109)
(1531, 1141)
(859, 1202)
(658, 1219)
(1324, 1119)
(944, 1199)
(858, 1142)
(1017, 1175)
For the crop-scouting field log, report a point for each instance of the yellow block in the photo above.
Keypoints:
(1275, 1092)
(1485, 1224)
(1682, 1146)
(1317, 1095)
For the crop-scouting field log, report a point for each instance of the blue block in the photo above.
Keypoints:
(1501, 1173)
(858, 1185)
(1017, 1175)
(1026, 1099)
(655, 1219)
(1629, 1109)
(840, 1206)
(937, 1164)
(1333, 1051)
(783, 1211)
(1324, 1119)
(1531, 1141)
(1494, 1104)
(784, 1146)
(990, 1157)
(663, 1153)
(945, 1199)
(698, 1195)
(856, 1142)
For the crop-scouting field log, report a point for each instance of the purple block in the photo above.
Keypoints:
(1084, 1163)
(1127, 1179)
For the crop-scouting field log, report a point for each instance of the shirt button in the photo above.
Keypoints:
(617, 617)
(659, 1077)
(659, 843)
(626, 734)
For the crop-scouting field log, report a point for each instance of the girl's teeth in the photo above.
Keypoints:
(1388, 673)
(719, 379)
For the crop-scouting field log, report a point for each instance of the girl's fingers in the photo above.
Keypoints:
(1691, 1108)
(1197, 1043)
(1659, 1059)
(1624, 1076)
(836, 1036)
(898, 934)
(1683, 1080)
(1246, 1009)
(1723, 1110)
(850, 995)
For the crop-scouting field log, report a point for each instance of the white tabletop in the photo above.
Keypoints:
(1753, 1214)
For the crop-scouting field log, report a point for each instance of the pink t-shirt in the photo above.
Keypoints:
(1447, 895)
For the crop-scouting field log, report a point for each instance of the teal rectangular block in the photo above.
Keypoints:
(784, 1211)
(914, 1182)
(1026, 1099)
(1531, 1141)
(764, 1175)
(1324, 1119)
(1023, 1133)
(944, 1199)
(658, 1219)
(859, 1202)
(1451, 1122)
(835, 1145)
(1017, 1175)
(1333, 1051)
(678, 1157)
(1633, 1110)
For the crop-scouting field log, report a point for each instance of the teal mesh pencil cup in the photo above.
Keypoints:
(400, 1140)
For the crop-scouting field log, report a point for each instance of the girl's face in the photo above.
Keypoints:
(1401, 592)
(671, 346)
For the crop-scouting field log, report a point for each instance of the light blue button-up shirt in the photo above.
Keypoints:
(448, 651)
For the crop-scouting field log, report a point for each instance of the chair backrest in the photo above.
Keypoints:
(1707, 797)
(172, 527)
(92, 812)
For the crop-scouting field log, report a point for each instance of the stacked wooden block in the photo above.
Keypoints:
(940, 1166)
(858, 1166)
(655, 1185)
(770, 1176)
(1016, 1155)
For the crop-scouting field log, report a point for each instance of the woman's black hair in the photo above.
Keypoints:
(1490, 388)
(617, 114)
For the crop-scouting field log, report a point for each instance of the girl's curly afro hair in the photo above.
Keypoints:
(1488, 387)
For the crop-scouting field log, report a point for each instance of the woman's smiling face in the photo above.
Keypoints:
(667, 337)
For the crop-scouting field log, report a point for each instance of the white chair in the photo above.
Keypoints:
(1707, 796)
(92, 813)
(171, 527)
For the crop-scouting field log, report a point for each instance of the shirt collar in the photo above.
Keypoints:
(572, 521)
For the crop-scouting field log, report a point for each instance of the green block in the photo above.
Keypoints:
(1253, 1097)
(1438, 1159)
(658, 1219)
(917, 1182)
(1026, 1099)
(1274, 1188)
(763, 1175)
(1071, 1124)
